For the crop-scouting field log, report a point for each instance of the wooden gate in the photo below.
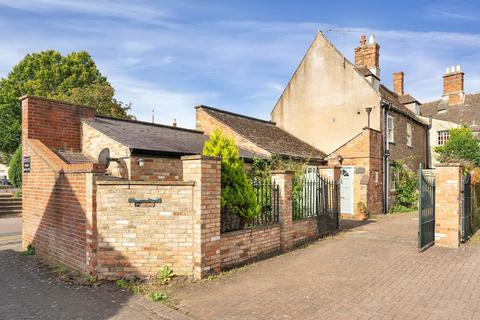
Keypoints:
(426, 210)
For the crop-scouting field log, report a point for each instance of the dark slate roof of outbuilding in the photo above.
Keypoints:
(467, 113)
(157, 138)
(265, 134)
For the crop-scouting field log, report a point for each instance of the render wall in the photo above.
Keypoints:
(324, 102)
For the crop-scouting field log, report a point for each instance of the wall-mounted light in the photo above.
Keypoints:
(141, 162)
(340, 159)
(369, 110)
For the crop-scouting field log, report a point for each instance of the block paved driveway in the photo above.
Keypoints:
(371, 272)
(29, 291)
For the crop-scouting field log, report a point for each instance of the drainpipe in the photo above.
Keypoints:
(428, 158)
(385, 155)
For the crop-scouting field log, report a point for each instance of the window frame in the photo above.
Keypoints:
(390, 129)
(441, 140)
(409, 134)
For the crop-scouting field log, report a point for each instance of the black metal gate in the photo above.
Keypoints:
(426, 210)
(466, 228)
(316, 196)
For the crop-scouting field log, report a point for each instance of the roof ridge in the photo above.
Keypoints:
(235, 114)
(150, 124)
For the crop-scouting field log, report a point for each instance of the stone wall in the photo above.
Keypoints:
(140, 240)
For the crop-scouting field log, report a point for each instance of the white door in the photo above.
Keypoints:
(346, 190)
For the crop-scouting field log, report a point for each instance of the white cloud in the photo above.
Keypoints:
(168, 105)
(119, 9)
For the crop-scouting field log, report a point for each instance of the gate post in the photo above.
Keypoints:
(448, 181)
(284, 180)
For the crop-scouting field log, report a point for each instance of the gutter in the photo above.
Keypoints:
(386, 106)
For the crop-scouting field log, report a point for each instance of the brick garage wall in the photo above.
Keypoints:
(241, 246)
(55, 123)
(140, 240)
(304, 230)
(55, 210)
(156, 168)
(208, 124)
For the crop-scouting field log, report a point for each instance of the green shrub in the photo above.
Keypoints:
(165, 274)
(15, 168)
(406, 186)
(29, 252)
(158, 296)
(237, 194)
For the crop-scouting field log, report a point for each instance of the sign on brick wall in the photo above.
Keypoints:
(26, 164)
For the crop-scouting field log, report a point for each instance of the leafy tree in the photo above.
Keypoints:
(462, 146)
(73, 78)
(15, 168)
(237, 193)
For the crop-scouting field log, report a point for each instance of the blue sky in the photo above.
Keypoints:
(238, 55)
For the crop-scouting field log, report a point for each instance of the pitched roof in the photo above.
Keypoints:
(364, 71)
(265, 134)
(407, 98)
(396, 105)
(150, 137)
(467, 113)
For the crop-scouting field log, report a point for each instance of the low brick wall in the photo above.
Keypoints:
(304, 230)
(241, 246)
(140, 240)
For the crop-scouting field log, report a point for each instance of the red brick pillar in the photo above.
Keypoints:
(284, 179)
(206, 173)
(448, 179)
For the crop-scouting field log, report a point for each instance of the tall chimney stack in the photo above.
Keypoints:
(398, 83)
(453, 91)
(368, 55)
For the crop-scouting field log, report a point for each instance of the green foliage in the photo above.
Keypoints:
(29, 252)
(15, 168)
(121, 283)
(158, 296)
(399, 209)
(237, 194)
(462, 146)
(406, 186)
(362, 207)
(74, 78)
(165, 274)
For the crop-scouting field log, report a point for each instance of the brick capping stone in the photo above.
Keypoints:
(146, 183)
(76, 105)
(200, 157)
(57, 163)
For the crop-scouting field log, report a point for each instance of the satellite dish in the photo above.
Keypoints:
(104, 157)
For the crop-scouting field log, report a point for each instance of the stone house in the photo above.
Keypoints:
(455, 109)
(342, 108)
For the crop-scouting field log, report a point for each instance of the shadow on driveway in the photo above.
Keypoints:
(31, 291)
